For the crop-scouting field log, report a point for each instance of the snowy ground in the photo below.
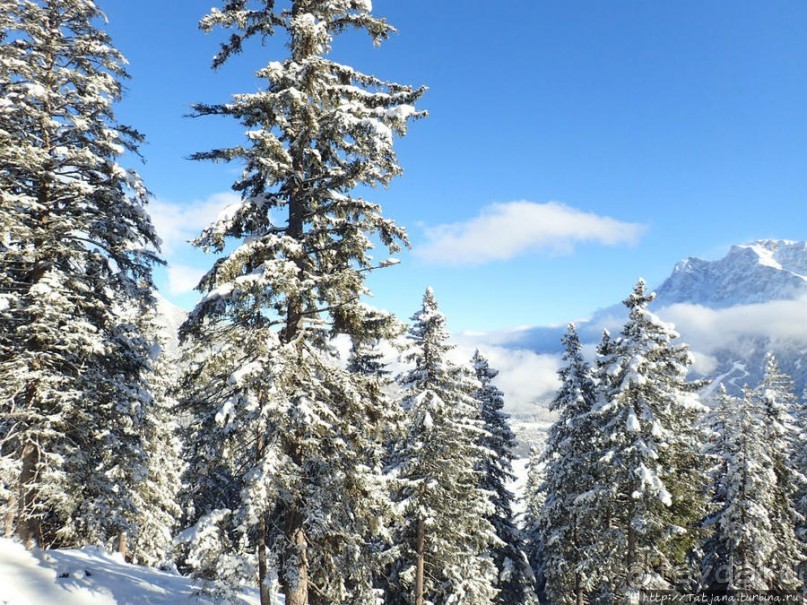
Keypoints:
(91, 576)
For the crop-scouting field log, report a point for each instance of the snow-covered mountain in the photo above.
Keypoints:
(749, 274)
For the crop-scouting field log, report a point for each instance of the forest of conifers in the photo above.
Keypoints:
(260, 455)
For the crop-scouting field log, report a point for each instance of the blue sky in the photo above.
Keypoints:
(577, 144)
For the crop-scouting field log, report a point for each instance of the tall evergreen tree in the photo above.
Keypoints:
(753, 545)
(649, 465)
(515, 580)
(294, 446)
(377, 383)
(721, 421)
(76, 246)
(565, 523)
(600, 499)
(778, 404)
(157, 491)
(534, 499)
(446, 536)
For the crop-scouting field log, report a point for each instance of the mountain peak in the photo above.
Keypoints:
(751, 273)
(785, 255)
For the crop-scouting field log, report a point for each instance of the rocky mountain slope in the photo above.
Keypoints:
(749, 274)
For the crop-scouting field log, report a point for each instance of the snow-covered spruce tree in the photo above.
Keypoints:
(75, 246)
(565, 522)
(151, 511)
(749, 531)
(278, 421)
(367, 362)
(719, 423)
(594, 548)
(217, 443)
(516, 582)
(158, 510)
(533, 499)
(778, 404)
(594, 551)
(445, 538)
(376, 383)
(650, 466)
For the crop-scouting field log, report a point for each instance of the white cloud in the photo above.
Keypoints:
(710, 330)
(178, 223)
(183, 278)
(504, 231)
(526, 378)
(703, 364)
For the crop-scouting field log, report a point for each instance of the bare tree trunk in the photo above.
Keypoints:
(578, 588)
(295, 581)
(420, 549)
(28, 529)
(297, 553)
(123, 545)
(631, 559)
(11, 516)
(263, 587)
(266, 597)
(630, 565)
(578, 579)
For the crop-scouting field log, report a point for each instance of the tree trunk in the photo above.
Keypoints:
(266, 596)
(28, 529)
(263, 586)
(296, 587)
(11, 516)
(578, 588)
(630, 566)
(295, 565)
(578, 579)
(123, 545)
(420, 549)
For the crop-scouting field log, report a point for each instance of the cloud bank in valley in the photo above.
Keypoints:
(507, 230)
(710, 331)
(527, 379)
(528, 372)
(783, 321)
